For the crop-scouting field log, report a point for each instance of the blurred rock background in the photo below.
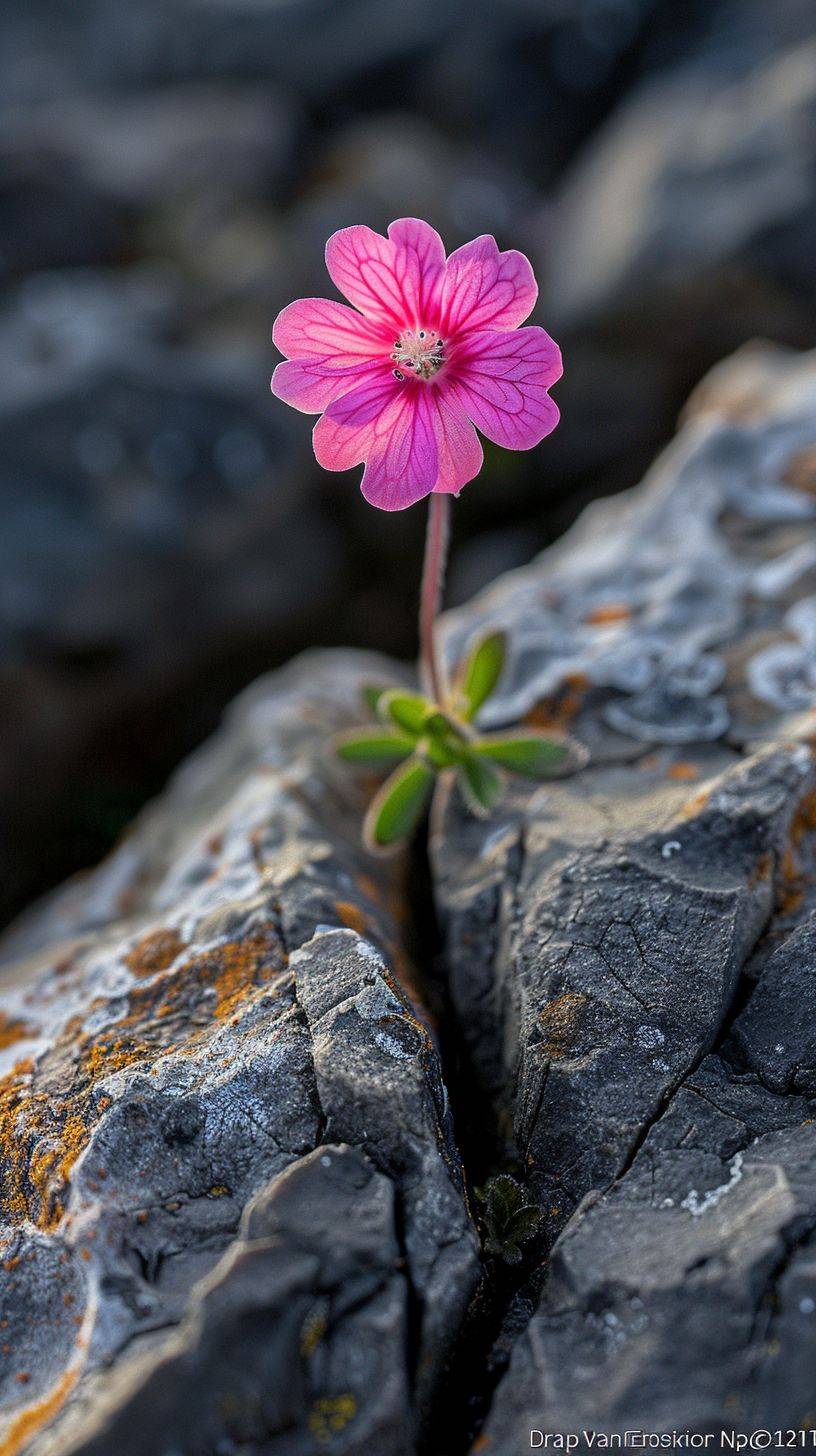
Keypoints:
(169, 171)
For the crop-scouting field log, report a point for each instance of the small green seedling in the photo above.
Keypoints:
(509, 1219)
(419, 740)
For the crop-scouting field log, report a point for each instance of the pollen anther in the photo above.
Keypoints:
(423, 352)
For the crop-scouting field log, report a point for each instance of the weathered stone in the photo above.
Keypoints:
(231, 1192)
(181, 1029)
(601, 932)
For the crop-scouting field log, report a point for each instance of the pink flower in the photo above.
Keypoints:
(434, 349)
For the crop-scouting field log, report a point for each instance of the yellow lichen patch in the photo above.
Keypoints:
(239, 968)
(231, 971)
(330, 1415)
(559, 710)
(608, 613)
(45, 1126)
(15, 1094)
(557, 1019)
(154, 952)
(49, 1167)
(48, 1112)
(12, 1030)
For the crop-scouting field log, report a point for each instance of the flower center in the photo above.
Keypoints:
(420, 352)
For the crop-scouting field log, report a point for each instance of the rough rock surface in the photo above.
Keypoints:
(234, 1217)
(630, 953)
(181, 1032)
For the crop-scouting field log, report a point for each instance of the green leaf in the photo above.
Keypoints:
(371, 694)
(482, 784)
(524, 1223)
(408, 710)
(397, 808)
(482, 671)
(373, 746)
(525, 753)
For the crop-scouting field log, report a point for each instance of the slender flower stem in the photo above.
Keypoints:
(433, 579)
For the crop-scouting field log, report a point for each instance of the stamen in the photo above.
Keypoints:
(423, 352)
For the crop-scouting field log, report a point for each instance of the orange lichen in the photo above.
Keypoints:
(607, 613)
(557, 1019)
(49, 1167)
(31, 1420)
(155, 952)
(801, 471)
(13, 1030)
(683, 772)
(696, 805)
(48, 1113)
(559, 710)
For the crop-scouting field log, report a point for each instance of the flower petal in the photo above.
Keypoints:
(310, 386)
(346, 434)
(319, 328)
(460, 450)
(420, 263)
(501, 380)
(484, 288)
(404, 462)
(362, 264)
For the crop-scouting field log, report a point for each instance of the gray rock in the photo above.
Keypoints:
(231, 1192)
(629, 952)
(738, 150)
(191, 1027)
(681, 229)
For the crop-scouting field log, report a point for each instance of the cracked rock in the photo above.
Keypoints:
(187, 1034)
(630, 952)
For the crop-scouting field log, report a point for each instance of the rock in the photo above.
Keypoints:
(221, 1024)
(627, 242)
(682, 229)
(231, 1191)
(628, 952)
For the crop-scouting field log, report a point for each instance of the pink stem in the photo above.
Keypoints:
(433, 579)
